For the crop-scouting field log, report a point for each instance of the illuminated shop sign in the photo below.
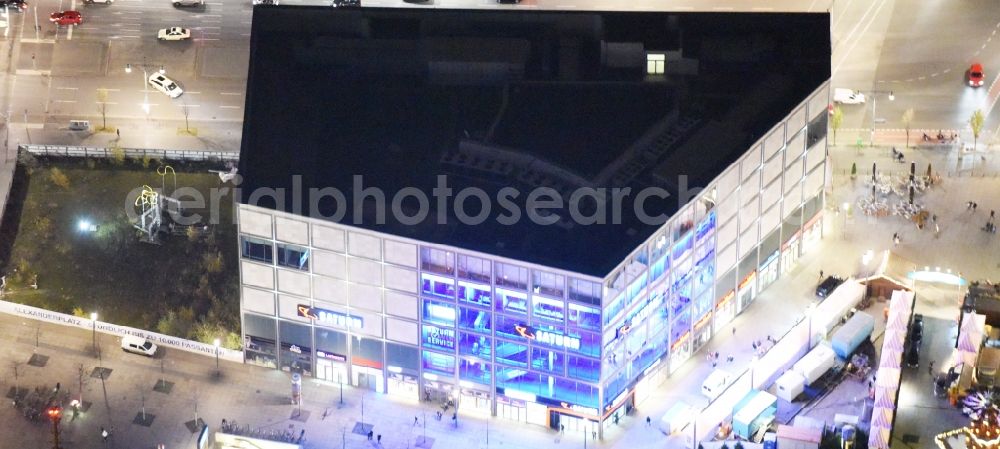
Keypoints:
(550, 338)
(330, 317)
(331, 356)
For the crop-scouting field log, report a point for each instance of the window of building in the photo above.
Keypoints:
(548, 361)
(585, 317)
(474, 320)
(510, 353)
(405, 359)
(511, 302)
(477, 294)
(438, 363)
(586, 343)
(293, 256)
(549, 284)
(437, 261)
(439, 313)
(438, 337)
(511, 276)
(508, 327)
(475, 345)
(547, 309)
(584, 368)
(257, 249)
(655, 63)
(439, 286)
(474, 268)
(585, 292)
(475, 370)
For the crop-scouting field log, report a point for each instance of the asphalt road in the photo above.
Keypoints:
(921, 52)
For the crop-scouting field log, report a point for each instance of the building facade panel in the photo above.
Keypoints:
(751, 162)
(367, 297)
(400, 253)
(796, 145)
(402, 331)
(329, 264)
(291, 230)
(257, 275)
(364, 245)
(815, 156)
(401, 279)
(326, 237)
(255, 223)
(750, 187)
(775, 141)
(401, 305)
(294, 282)
(330, 290)
(364, 271)
(288, 307)
(259, 301)
(728, 182)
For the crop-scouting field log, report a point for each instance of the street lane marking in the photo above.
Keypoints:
(191, 106)
(64, 101)
(229, 107)
(68, 88)
(192, 92)
(38, 41)
(206, 39)
(33, 72)
(230, 93)
(106, 102)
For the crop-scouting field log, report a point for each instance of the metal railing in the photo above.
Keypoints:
(130, 153)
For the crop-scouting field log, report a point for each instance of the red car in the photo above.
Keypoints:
(66, 18)
(976, 75)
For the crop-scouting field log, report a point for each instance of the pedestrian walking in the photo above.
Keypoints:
(379, 439)
(370, 434)
(734, 330)
(594, 434)
(649, 422)
(821, 275)
(930, 368)
(414, 420)
(729, 359)
(118, 131)
(974, 206)
(992, 214)
(104, 434)
(968, 205)
(754, 344)
(562, 428)
(934, 218)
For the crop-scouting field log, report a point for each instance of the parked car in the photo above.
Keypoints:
(848, 96)
(346, 3)
(173, 34)
(138, 345)
(66, 18)
(975, 75)
(828, 286)
(508, 2)
(178, 3)
(166, 85)
(106, 2)
(265, 2)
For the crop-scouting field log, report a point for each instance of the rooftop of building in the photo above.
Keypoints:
(523, 100)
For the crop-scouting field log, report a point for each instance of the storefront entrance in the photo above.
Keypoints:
(790, 254)
(747, 292)
(769, 270)
(512, 409)
(330, 371)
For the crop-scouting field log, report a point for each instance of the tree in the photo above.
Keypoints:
(976, 123)
(907, 120)
(117, 153)
(836, 119)
(102, 106)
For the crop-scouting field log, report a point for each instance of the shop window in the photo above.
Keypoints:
(585, 292)
(474, 320)
(474, 268)
(516, 378)
(292, 256)
(548, 309)
(404, 358)
(437, 261)
(511, 302)
(683, 247)
(510, 353)
(296, 351)
(681, 327)
(511, 276)
(475, 345)
(439, 286)
(477, 294)
(475, 370)
(586, 343)
(655, 63)
(439, 313)
(583, 368)
(439, 338)
(584, 317)
(635, 288)
(548, 361)
(549, 284)
(577, 393)
(706, 228)
(660, 266)
(438, 363)
(366, 352)
(257, 249)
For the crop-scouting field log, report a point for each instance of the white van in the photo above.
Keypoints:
(715, 383)
(848, 96)
(138, 345)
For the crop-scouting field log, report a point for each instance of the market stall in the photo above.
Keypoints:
(755, 411)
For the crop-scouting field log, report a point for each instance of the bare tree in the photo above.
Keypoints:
(976, 123)
(907, 120)
(102, 106)
(836, 119)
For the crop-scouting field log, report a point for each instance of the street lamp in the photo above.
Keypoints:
(753, 366)
(809, 323)
(55, 415)
(93, 321)
(875, 94)
(846, 208)
(216, 343)
(145, 79)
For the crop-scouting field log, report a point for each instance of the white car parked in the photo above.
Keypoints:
(173, 34)
(165, 85)
(848, 96)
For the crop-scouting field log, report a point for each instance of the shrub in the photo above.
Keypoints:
(59, 178)
(117, 155)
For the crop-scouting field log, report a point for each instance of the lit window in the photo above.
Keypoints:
(655, 63)
(292, 256)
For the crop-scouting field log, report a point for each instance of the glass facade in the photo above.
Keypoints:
(438, 318)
